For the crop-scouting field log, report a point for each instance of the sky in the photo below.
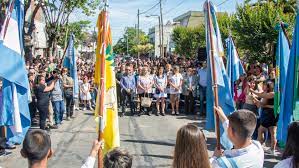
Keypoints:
(123, 13)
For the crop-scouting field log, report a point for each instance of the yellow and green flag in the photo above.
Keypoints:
(110, 114)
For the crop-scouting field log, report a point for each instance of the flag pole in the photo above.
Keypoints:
(214, 77)
(101, 90)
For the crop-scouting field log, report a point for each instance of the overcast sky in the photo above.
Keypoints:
(123, 13)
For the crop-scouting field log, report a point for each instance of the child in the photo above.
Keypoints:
(239, 127)
(37, 150)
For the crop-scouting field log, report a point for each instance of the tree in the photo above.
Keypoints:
(78, 29)
(130, 33)
(253, 27)
(57, 14)
(187, 40)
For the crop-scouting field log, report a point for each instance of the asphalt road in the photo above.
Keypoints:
(150, 139)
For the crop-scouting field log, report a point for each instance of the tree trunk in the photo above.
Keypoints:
(29, 48)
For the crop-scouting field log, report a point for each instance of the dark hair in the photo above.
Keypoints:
(191, 148)
(270, 85)
(292, 145)
(39, 77)
(30, 74)
(36, 145)
(118, 158)
(243, 123)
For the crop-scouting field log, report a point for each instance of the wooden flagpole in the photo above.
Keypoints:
(214, 76)
(101, 90)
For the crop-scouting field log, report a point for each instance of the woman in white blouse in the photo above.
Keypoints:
(144, 86)
(160, 91)
(175, 82)
(291, 152)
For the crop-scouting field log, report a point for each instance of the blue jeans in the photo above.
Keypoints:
(202, 95)
(58, 108)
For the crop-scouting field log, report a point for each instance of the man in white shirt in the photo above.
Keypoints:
(239, 127)
(37, 150)
(202, 75)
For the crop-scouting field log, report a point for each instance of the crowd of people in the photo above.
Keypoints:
(162, 86)
(190, 149)
(179, 85)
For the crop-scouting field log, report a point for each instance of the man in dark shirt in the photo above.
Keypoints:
(119, 75)
(42, 96)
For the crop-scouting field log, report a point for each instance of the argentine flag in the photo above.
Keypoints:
(234, 66)
(224, 94)
(70, 62)
(15, 111)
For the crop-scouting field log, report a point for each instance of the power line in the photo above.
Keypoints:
(150, 8)
(179, 4)
(222, 3)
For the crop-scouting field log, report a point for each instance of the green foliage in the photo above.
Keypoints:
(130, 33)
(79, 31)
(57, 14)
(187, 40)
(253, 27)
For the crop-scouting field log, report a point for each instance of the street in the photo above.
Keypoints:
(150, 139)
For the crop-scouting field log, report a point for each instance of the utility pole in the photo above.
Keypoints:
(162, 28)
(160, 36)
(138, 41)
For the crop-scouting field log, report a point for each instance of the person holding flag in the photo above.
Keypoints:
(216, 76)
(70, 80)
(239, 126)
(106, 106)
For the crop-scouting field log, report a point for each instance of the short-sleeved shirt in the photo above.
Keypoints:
(57, 91)
(175, 80)
(41, 96)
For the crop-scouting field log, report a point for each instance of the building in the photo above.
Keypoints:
(191, 19)
(35, 32)
(154, 35)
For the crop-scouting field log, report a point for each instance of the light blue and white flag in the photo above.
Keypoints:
(234, 66)
(15, 111)
(289, 104)
(70, 62)
(224, 94)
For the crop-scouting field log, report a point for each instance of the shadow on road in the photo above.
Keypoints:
(149, 142)
(89, 114)
(155, 156)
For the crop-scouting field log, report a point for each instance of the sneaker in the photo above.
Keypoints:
(68, 119)
(84, 109)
